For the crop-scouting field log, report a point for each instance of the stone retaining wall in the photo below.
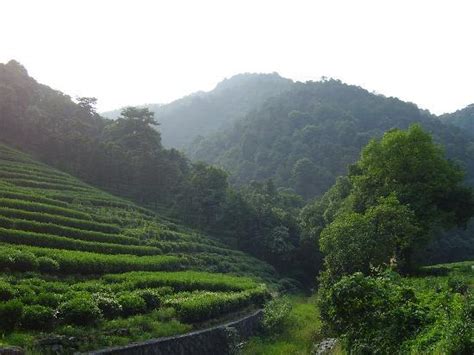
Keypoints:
(219, 340)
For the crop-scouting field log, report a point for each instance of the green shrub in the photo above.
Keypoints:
(48, 299)
(43, 208)
(6, 291)
(60, 220)
(275, 315)
(47, 265)
(38, 317)
(108, 305)
(458, 284)
(26, 293)
(10, 314)
(199, 306)
(152, 297)
(80, 310)
(371, 314)
(23, 261)
(132, 304)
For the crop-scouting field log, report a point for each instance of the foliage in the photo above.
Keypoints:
(297, 335)
(109, 306)
(355, 242)
(400, 192)
(78, 263)
(47, 265)
(132, 304)
(38, 317)
(307, 136)
(275, 315)
(385, 313)
(10, 314)
(80, 310)
(371, 314)
(6, 291)
(124, 156)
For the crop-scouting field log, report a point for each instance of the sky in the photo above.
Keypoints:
(135, 52)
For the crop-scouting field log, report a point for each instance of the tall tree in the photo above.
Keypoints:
(401, 190)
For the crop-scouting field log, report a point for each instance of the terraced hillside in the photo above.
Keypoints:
(95, 270)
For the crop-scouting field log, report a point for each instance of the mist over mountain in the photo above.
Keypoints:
(203, 113)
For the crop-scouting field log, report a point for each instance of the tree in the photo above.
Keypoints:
(408, 164)
(357, 241)
(402, 190)
(88, 104)
(203, 198)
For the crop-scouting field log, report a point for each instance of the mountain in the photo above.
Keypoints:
(73, 256)
(305, 138)
(202, 113)
(125, 157)
(464, 119)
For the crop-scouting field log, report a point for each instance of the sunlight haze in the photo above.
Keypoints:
(134, 52)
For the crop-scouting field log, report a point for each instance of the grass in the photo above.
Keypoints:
(301, 331)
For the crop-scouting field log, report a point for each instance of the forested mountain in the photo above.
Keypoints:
(298, 141)
(202, 113)
(125, 156)
(306, 137)
(463, 119)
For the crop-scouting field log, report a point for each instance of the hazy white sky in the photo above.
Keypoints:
(132, 52)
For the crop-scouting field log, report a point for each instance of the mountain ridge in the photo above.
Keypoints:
(204, 112)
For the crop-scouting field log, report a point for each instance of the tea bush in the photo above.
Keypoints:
(80, 310)
(10, 314)
(38, 317)
(132, 304)
(47, 265)
(108, 305)
(6, 291)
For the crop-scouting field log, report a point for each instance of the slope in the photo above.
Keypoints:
(76, 261)
(464, 119)
(202, 113)
(306, 137)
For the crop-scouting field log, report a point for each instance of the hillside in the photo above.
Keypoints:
(124, 157)
(464, 119)
(202, 113)
(78, 263)
(306, 137)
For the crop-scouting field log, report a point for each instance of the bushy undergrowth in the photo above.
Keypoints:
(389, 314)
(275, 315)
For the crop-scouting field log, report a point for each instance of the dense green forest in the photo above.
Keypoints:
(203, 113)
(305, 138)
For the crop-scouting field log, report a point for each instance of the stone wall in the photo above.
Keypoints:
(221, 339)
